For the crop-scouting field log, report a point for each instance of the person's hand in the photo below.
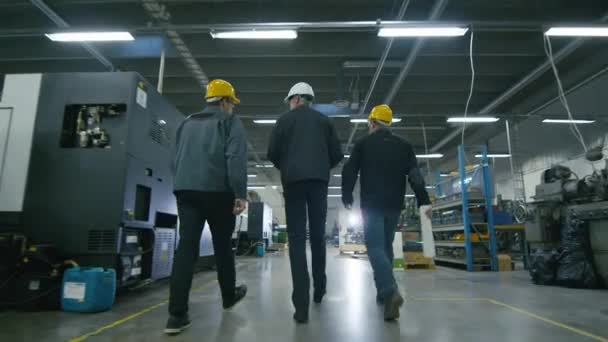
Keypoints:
(428, 212)
(347, 201)
(239, 206)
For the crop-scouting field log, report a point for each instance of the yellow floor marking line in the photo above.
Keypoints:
(133, 316)
(550, 321)
(518, 310)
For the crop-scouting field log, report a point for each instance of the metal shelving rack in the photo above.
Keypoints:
(466, 201)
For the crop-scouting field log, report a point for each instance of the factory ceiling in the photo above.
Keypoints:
(426, 81)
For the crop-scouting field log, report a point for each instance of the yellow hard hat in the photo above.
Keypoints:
(382, 113)
(221, 88)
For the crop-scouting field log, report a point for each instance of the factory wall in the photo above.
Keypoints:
(538, 146)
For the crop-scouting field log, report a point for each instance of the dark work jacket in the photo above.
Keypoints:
(383, 160)
(304, 146)
(210, 153)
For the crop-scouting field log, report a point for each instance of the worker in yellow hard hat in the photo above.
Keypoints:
(210, 184)
(383, 160)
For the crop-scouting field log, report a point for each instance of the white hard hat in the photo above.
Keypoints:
(301, 88)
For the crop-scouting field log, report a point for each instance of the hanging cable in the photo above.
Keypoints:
(562, 95)
(472, 87)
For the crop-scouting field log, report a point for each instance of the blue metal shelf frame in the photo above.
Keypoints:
(487, 181)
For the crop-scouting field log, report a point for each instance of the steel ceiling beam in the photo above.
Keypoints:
(519, 85)
(436, 12)
(58, 20)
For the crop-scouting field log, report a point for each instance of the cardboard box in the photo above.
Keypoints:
(504, 263)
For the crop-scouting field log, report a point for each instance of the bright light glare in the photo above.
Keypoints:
(430, 156)
(354, 219)
(334, 187)
(334, 195)
(422, 31)
(265, 122)
(347, 156)
(257, 34)
(337, 175)
(495, 155)
(577, 32)
(479, 119)
(89, 36)
(410, 195)
(252, 176)
(264, 166)
(255, 187)
(568, 121)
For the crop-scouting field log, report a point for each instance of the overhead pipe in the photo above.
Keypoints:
(436, 12)
(521, 84)
(377, 73)
(58, 20)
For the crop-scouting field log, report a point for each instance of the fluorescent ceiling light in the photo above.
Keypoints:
(365, 120)
(445, 31)
(337, 175)
(568, 121)
(266, 166)
(256, 187)
(347, 156)
(473, 119)
(495, 155)
(577, 32)
(256, 34)
(334, 195)
(89, 36)
(265, 122)
(252, 176)
(334, 187)
(410, 195)
(430, 187)
(430, 156)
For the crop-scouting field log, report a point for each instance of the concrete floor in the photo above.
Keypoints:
(444, 305)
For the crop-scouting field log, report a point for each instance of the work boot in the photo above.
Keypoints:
(177, 324)
(318, 296)
(301, 316)
(239, 293)
(392, 305)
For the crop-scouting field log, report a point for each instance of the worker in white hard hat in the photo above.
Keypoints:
(304, 146)
(210, 184)
(383, 160)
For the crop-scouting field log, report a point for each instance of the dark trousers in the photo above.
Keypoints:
(195, 208)
(302, 198)
(379, 228)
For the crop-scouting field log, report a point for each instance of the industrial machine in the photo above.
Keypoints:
(85, 165)
(567, 227)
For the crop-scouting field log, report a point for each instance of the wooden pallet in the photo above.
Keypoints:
(428, 267)
(357, 249)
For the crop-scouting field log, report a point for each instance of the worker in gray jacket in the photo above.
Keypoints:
(210, 165)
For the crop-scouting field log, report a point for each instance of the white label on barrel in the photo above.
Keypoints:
(136, 271)
(164, 246)
(73, 290)
(132, 239)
